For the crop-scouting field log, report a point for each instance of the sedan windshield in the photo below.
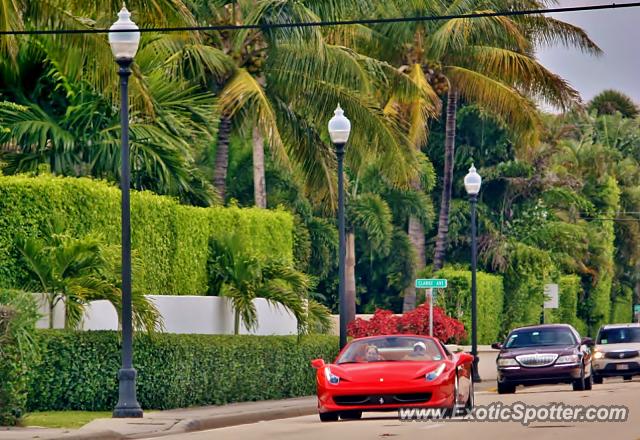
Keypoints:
(392, 348)
(619, 335)
(540, 337)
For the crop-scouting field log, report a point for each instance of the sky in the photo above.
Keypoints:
(617, 32)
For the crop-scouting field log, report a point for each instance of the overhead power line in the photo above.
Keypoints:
(332, 23)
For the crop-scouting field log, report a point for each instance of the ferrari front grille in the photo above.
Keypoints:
(379, 399)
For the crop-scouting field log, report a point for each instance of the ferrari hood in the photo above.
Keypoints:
(374, 371)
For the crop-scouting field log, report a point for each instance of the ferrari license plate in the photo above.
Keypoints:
(622, 367)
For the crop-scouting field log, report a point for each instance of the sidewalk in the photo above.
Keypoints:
(177, 421)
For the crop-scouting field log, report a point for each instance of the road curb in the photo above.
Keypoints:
(90, 435)
(221, 421)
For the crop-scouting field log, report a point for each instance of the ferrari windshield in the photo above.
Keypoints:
(620, 335)
(535, 337)
(392, 348)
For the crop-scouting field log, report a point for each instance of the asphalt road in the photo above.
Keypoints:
(383, 425)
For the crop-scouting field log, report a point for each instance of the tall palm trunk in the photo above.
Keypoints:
(52, 307)
(259, 188)
(350, 275)
(445, 203)
(236, 323)
(416, 237)
(222, 157)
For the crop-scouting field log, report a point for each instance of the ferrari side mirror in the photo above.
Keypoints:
(587, 341)
(317, 363)
(464, 358)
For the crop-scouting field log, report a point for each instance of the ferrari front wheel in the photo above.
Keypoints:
(351, 415)
(451, 412)
(471, 400)
(328, 416)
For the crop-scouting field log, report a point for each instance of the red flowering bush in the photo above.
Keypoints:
(384, 322)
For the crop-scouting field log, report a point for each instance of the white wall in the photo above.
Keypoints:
(100, 315)
(43, 309)
(196, 315)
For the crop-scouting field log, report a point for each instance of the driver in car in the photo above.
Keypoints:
(372, 354)
(419, 353)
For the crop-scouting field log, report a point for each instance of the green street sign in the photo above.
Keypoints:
(431, 284)
(636, 309)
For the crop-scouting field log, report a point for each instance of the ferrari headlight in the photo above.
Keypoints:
(507, 362)
(331, 378)
(433, 375)
(568, 359)
(598, 355)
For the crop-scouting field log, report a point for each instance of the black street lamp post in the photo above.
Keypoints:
(339, 130)
(472, 183)
(124, 46)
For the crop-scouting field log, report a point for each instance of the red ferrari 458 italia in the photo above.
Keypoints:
(384, 373)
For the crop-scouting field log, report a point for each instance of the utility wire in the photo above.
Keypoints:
(308, 24)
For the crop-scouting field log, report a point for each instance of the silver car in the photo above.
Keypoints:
(617, 352)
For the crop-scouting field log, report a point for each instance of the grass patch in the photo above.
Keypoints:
(63, 419)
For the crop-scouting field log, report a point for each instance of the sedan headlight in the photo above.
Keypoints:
(507, 362)
(331, 378)
(433, 375)
(568, 359)
(598, 355)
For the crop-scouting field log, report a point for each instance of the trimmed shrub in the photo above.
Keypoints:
(570, 289)
(456, 300)
(529, 270)
(18, 316)
(622, 310)
(170, 239)
(384, 322)
(78, 370)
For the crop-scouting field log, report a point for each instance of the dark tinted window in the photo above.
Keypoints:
(619, 335)
(540, 337)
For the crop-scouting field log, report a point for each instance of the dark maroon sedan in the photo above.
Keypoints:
(544, 354)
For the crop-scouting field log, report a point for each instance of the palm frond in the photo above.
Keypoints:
(244, 94)
(523, 72)
(498, 98)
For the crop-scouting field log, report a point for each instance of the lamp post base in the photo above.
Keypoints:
(475, 374)
(128, 406)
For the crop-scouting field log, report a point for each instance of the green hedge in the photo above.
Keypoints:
(18, 316)
(570, 290)
(78, 370)
(529, 270)
(622, 305)
(456, 300)
(170, 239)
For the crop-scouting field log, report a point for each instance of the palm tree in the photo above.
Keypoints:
(306, 73)
(172, 115)
(489, 61)
(609, 102)
(376, 209)
(240, 276)
(78, 271)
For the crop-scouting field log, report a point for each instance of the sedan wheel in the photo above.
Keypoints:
(598, 379)
(328, 417)
(506, 388)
